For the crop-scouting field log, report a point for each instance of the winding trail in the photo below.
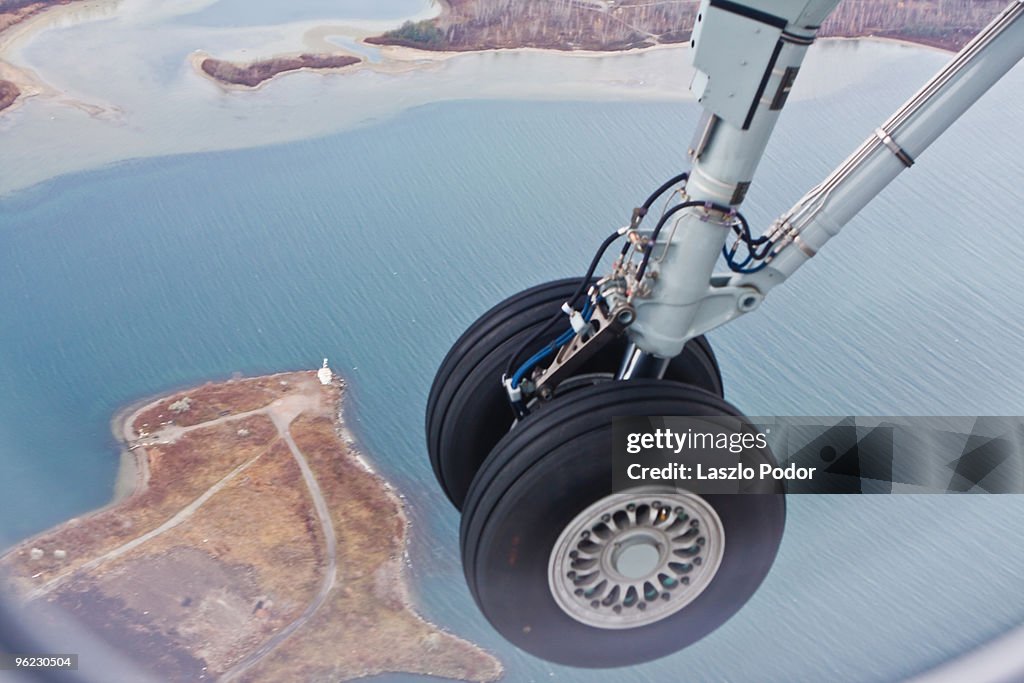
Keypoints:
(182, 516)
(332, 557)
(172, 433)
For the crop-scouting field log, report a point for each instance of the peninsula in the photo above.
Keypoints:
(256, 544)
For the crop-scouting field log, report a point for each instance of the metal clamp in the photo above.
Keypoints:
(894, 147)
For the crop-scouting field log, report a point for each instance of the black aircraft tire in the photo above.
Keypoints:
(549, 469)
(467, 409)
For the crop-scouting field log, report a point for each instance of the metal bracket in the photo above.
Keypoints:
(603, 328)
(723, 303)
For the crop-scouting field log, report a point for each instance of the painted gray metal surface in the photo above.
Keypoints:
(744, 118)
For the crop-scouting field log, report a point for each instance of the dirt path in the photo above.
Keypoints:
(182, 516)
(286, 408)
(281, 421)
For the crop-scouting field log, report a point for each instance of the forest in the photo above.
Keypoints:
(623, 24)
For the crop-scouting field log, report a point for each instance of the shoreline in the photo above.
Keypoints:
(132, 475)
(401, 563)
(119, 119)
(130, 478)
(444, 54)
(397, 59)
(892, 40)
(133, 470)
(24, 28)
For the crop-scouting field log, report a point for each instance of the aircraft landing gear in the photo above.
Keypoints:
(519, 420)
(559, 563)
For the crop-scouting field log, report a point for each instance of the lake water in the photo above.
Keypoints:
(375, 246)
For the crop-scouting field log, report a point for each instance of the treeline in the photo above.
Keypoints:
(855, 17)
(420, 33)
(620, 24)
(943, 23)
(559, 24)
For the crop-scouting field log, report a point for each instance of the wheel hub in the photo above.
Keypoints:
(636, 557)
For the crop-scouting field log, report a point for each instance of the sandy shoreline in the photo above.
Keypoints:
(131, 477)
(396, 59)
(897, 41)
(24, 29)
(133, 471)
(132, 474)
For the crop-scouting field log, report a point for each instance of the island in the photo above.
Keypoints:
(602, 25)
(252, 542)
(252, 74)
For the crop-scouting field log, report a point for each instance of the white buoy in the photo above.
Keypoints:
(324, 374)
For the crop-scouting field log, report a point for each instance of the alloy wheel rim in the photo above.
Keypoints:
(635, 558)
